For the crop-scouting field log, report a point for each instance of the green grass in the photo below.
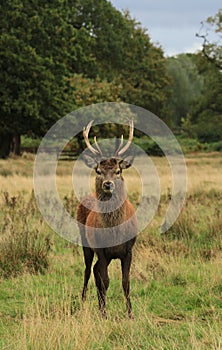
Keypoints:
(176, 284)
(171, 311)
(23, 246)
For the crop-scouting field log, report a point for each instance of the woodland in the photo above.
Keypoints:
(58, 56)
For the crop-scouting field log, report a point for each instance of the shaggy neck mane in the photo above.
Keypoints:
(112, 205)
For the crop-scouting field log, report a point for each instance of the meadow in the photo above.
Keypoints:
(176, 276)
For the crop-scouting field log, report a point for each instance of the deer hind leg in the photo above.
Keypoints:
(125, 264)
(102, 283)
(88, 256)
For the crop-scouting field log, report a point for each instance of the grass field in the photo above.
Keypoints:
(176, 277)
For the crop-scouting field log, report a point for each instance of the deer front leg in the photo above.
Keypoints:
(125, 264)
(102, 283)
(88, 257)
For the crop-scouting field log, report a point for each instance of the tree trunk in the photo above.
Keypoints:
(5, 144)
(17, 144)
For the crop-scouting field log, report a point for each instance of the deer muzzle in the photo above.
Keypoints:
(108, 186)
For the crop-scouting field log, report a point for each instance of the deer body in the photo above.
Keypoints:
(105, 217)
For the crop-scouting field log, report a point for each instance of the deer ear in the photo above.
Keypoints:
(91, 162)
(126, 162)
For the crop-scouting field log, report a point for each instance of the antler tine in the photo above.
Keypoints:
(120, 145)
(97, 146)
(86, 138)
(125, 148)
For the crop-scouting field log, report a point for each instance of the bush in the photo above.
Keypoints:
(190, 144)
(215, 146)
(22, 247)
(30, 142)
(208, 128)
(201, 233)
(149, 146)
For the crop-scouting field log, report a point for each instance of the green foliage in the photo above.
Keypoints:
(195, 103)
(207, 114)
(189, 144)
(29, 142)
(212, 49)
(60, 55)
(34, 64)
(149, 146)
(38, 54)
(208, 127)
(187, 85)
(124, 55)
(216, 146)
(143, 73)
(109, 33)
(194, 108)
(87, 91)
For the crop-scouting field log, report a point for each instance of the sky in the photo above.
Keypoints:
(171, 23)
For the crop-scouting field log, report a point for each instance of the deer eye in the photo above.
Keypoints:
(118, 172)
(98, 171)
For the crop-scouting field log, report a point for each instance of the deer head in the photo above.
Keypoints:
(108, 171)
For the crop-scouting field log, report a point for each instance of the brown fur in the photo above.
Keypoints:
(112, 211)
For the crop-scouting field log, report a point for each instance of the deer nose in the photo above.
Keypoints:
(108, 186)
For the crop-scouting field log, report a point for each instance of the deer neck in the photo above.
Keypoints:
(112, 205)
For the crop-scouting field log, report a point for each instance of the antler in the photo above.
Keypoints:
(120, 151)
(86, 138)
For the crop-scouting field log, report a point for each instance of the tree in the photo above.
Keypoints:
(37, 55)
(212, 48)
(124, 54)
(207, 114)
(109, 31)
(43, 45)
(88, 91)
(143, 72)
(187, 87)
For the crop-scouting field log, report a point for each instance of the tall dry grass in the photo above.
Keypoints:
(203, 173)
(176, 280)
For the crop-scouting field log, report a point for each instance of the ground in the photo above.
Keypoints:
(176, 280)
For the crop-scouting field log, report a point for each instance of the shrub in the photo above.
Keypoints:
(209, 127)
(23, 248)
(190, 144)
(149, 146)
(201, 233)
(216, 146)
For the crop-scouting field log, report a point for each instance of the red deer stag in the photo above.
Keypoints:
(107, 217)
